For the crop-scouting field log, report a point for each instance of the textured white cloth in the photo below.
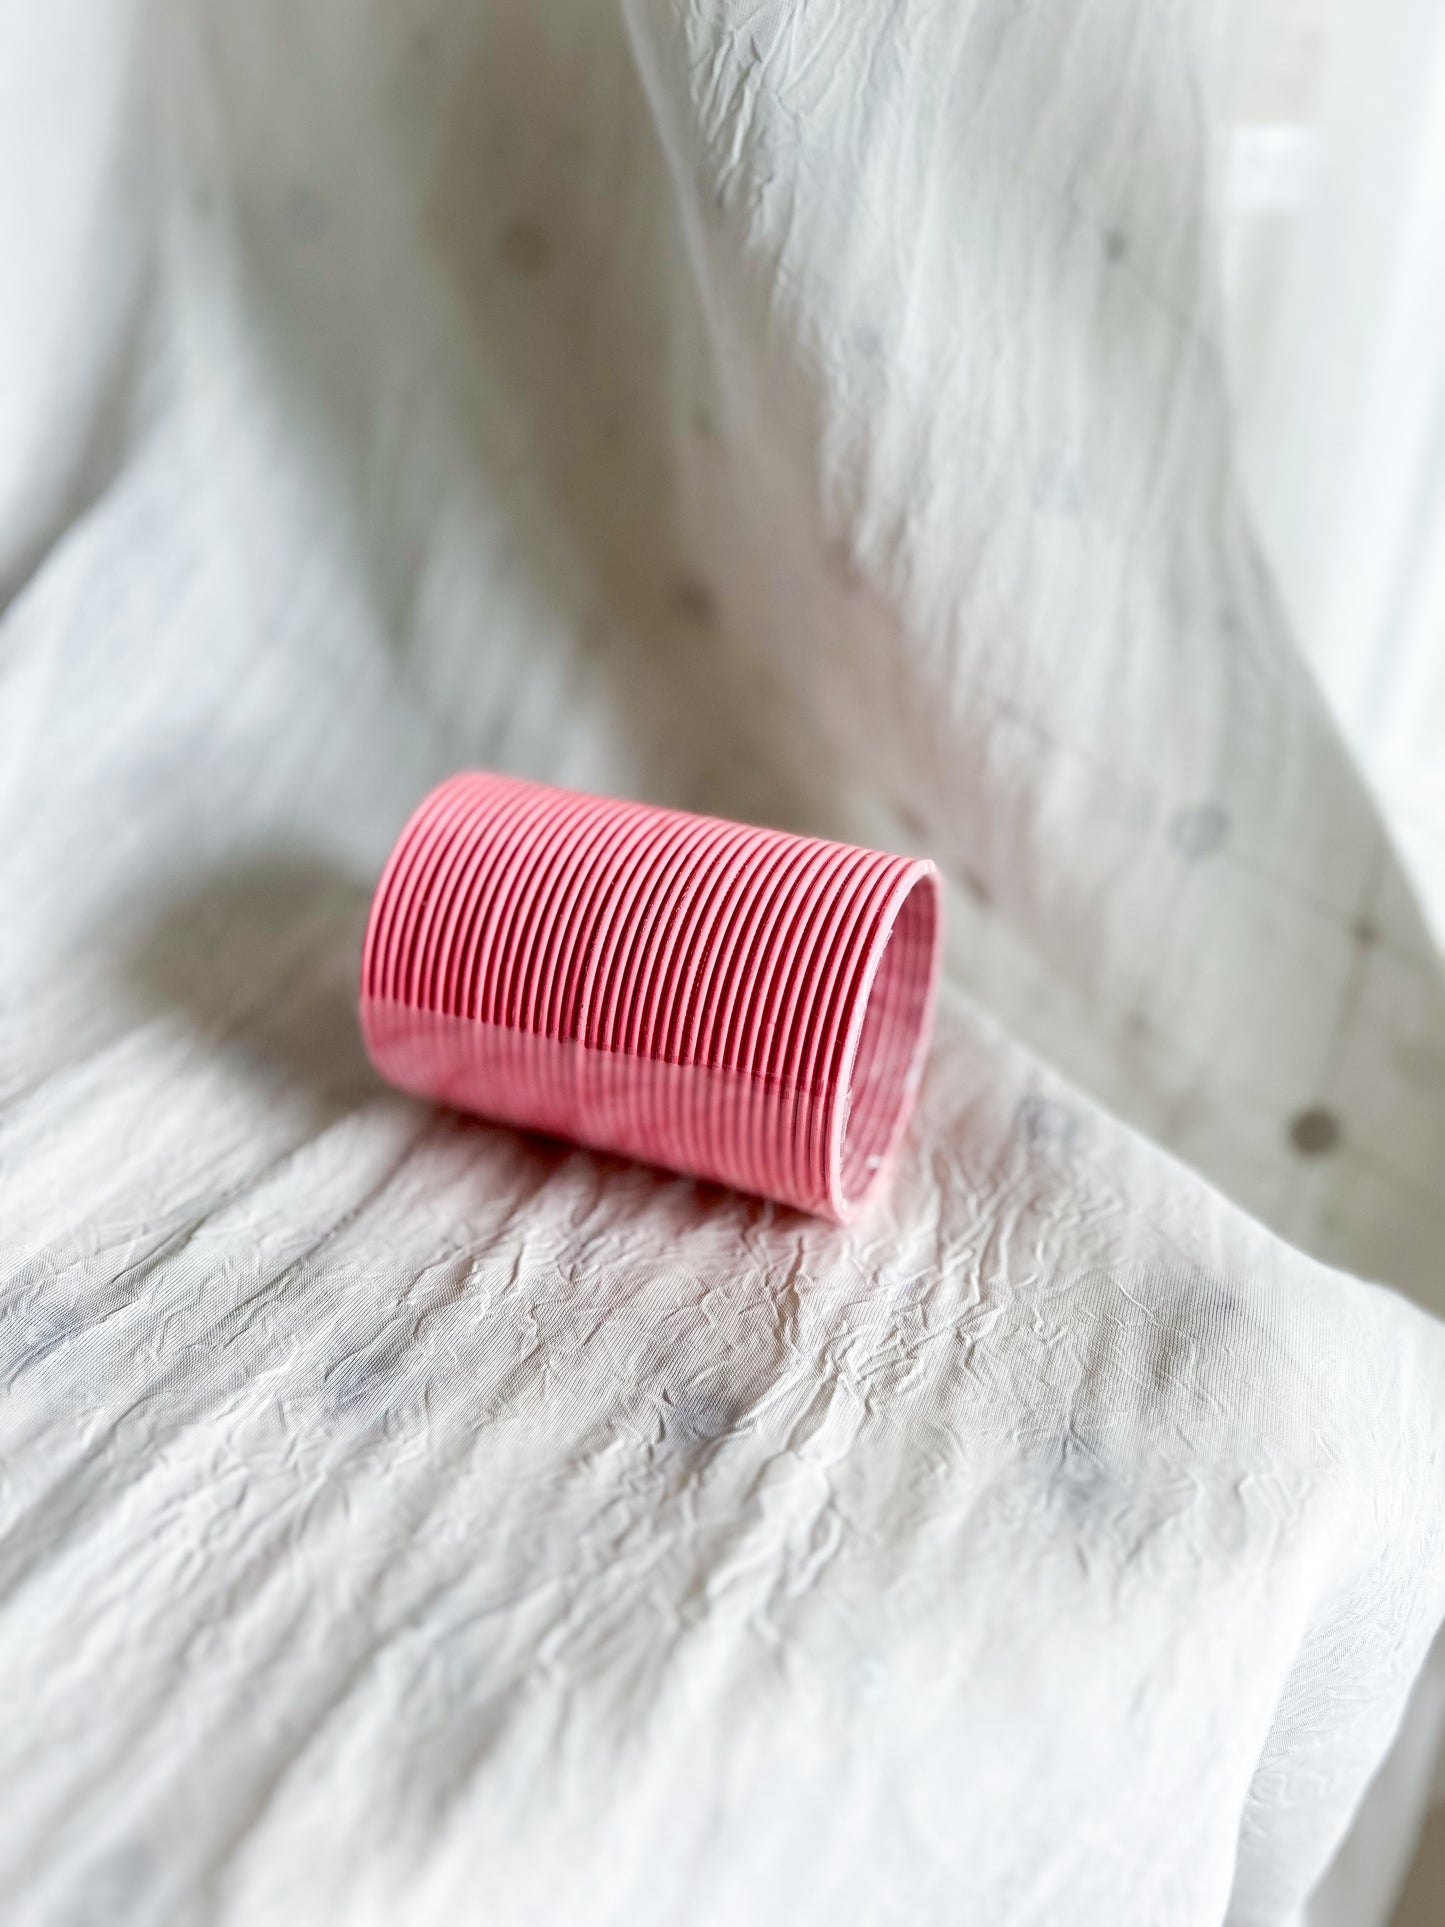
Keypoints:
(809, 414)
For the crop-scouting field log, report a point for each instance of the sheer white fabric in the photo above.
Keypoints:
(1336, 245)
(812, 415)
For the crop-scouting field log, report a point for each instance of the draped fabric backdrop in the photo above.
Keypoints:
(1335, 269)
(813, 414)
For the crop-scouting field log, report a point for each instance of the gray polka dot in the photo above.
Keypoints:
(1365, 931)
(700, 1413)
(1198, 831)
(1314, 1132)
(1043, 1120)
(524, 247)
(1080, 1485)
(702, 424)
(692, 599)
(1116, 244)
(976, 887)
(360, 1386)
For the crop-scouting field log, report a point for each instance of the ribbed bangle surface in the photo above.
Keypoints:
(732, 1002)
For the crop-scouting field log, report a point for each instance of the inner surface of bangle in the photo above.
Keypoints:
(888, 1063)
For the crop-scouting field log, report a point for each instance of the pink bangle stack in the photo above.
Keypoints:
(731, 1002)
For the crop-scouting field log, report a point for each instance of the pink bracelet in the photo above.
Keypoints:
(732, 1002)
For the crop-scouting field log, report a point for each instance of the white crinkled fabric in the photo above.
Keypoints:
(807, 414)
